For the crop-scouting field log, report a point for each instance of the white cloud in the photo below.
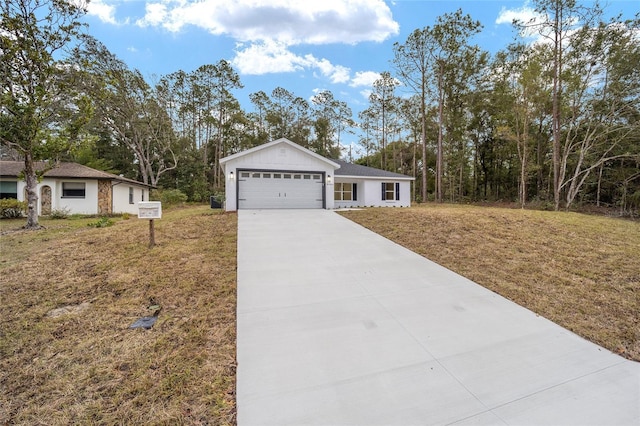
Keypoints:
(266, 58)
(532, 21)
(525, 14)
(336, 73)
(132, 49)
(105, 12)
(285, 21)
(364, 78)
(156, 14)
(267, 29)
(273, 57)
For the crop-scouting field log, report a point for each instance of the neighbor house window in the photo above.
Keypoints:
(390, 191)
(73, 189)
(345, 191)
(130, 195)
(9, 190)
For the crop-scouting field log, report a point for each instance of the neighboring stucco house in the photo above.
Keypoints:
(77, 188)
(283, 175)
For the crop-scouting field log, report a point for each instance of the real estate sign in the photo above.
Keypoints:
(149, 210)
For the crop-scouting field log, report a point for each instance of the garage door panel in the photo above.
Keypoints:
(284, 190)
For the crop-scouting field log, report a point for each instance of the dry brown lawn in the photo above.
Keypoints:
(86, 365)
(580, 271)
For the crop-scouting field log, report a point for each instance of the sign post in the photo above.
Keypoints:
(150, 210)
(152, 234)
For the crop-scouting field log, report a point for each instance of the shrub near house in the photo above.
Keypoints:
(10, 208)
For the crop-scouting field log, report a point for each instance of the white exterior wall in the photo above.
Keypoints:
(281, 157)
(89, 204)
(370, 193)
(21, 186)
(120, 201)
(86, 205)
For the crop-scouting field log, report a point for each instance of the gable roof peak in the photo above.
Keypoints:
(278, 142)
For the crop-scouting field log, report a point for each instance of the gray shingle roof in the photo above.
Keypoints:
(349, 169)
(62, 170)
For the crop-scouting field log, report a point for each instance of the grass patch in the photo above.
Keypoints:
(580, 271)
(81, 363)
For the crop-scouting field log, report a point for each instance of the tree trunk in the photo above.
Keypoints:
(540, 161)
(523, 174)
(599, 185)
(423, 137)
(440, 124)
(461, 182)
(414, 166)
(383, 158)
(524, 155)
(32, 192)
(557, 90)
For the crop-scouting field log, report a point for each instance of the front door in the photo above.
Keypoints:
(45, 200)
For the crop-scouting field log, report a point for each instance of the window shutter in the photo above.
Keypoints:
(355, 192)
(383, 192)
(397, 191)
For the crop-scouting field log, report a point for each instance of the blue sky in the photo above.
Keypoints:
(302, 45)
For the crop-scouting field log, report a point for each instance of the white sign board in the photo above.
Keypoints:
(149, 210)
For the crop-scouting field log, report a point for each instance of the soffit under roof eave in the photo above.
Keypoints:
(409, 178)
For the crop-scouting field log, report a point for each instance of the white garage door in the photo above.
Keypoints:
(279, 190)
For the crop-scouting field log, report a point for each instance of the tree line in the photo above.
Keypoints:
(555, 122)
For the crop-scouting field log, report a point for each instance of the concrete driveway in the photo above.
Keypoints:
(338, 325)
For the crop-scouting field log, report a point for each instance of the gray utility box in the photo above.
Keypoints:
(215, 204)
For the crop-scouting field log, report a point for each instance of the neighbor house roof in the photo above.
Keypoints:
(356, 170)
(62, 170)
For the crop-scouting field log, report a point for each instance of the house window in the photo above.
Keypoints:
(345, 191)
(130, 195)
(73, 189)
(142, 195)
(9, 190)
(390, 191)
